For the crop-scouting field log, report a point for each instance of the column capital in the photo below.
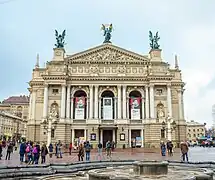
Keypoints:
(168, 85)
(63, 85)
(69, 85)
(119, 86)
(91, 86)
(96, 86)
(124, 86)
(46, 85)
(151, 85)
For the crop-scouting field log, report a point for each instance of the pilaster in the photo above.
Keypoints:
(152, 101)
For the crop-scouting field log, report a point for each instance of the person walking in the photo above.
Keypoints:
(100, 151)
(44, 152)
(184, 151)
(70, 149)
(163, 149)
(51, 148)
(170, 148)
(81, 152)
(87, 150)
(108, 149)
(22, 151)
(0, 150)
(59, 152)
(9, 151)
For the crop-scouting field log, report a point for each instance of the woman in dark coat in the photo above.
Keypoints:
(50, 150)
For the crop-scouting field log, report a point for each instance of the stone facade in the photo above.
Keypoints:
(195, 130)
(16, 105)
(107, 72)
(12, 126)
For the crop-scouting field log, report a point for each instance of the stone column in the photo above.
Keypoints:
(68, 102)
(63, 102)
(91, 101)
(152, 103)
(96, 102)
(119, 102)
(142, 138)
(85, 134)
(72, 104)
(101, 136)
(169, 100)
(180, 104)
(129, 137)
(45, 102)
(115, 108)
(100, 107)
(143, 112)
(73, 136)
(30, 107)
(147, 101)
(128, 109)
(124, 109)
(33, 104)
(114, 135)
(87, 103)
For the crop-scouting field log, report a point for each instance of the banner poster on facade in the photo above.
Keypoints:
(135, 107)
(79, 107)
(107, 108)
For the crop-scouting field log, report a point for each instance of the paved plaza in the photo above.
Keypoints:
(195, 154)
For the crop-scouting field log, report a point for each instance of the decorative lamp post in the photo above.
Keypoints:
(49, 124)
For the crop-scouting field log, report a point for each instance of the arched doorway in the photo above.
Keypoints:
(135, 105)
(107, 105)
(80, 105)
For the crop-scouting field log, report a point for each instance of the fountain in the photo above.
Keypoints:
(113, 170)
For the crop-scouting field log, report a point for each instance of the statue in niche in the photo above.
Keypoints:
(160, 111)
(54, 113)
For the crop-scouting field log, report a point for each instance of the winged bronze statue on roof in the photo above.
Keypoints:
(154, 40)
(107, 32)
(60, 39)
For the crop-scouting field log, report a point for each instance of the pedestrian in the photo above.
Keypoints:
(59, 152)
(81, 152)
(108, 149)
(163, 149)
(70, 148)
(9, 151)
(22, 151)
(50, 150)
(170, 148)
(35, 154)
(0, 150)
(44, 152)
(184, 151)
(87, 150)
(29, 150)
(100, 151)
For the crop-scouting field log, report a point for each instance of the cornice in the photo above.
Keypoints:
(108, 78)
(36, 83)
(55, 77)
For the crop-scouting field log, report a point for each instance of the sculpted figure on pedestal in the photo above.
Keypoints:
(160, 111)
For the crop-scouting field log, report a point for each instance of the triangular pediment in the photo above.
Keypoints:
(107, 53)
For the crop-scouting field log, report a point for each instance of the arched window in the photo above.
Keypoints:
(135, 105)
(80, 105)
(107, 105)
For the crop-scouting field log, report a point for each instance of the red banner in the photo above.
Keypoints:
(79, 102)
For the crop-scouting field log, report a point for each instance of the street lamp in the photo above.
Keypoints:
(49, 124)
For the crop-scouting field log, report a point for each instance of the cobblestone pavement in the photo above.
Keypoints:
(195, 154)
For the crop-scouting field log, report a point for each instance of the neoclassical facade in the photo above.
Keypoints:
(107, 93)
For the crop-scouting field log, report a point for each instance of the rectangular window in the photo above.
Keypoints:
(55, 91)
(52, 133)
(162, 133)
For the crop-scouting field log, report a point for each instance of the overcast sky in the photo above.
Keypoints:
(187, 28)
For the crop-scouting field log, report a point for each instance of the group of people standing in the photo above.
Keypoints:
(168, 147)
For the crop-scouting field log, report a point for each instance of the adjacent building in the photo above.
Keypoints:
(11, 126)
(195, 130)
(107, 93)
(16, 105)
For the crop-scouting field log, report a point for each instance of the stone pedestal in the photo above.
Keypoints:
(150, 168)
(58, 54)
(155, 55)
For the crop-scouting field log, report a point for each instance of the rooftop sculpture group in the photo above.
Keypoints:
(107, 29)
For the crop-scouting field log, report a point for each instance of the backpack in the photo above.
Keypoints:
(108, 145)
(35, 150)
(87, 148)
(27, 149)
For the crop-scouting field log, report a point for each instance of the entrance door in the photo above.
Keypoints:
(107, 136)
